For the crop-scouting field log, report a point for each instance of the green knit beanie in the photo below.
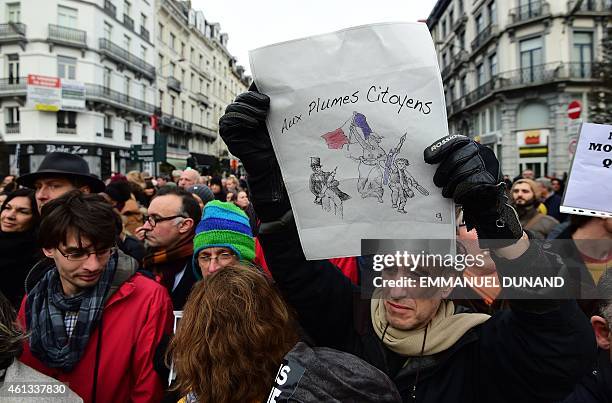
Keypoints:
(224, 225)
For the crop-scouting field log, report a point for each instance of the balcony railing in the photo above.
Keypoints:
(144, 33)
(128, 22)
(484, 37)
(17, 86)
(203, 99)
(66, 128)
(527, 76)
(127, 136)
(581, 70)
(589, 6)
(12, 128)
(481, 91)
(12, 32)
(124, 57)
(461, 57)
(458, 104)
(174, 84)
(67, 36)
(533, 9)
(110, 8)
(446, 70)
(175, 123)
(99, 93)
(459, 23)
(108, 133)
(204, 131)
(13, 86)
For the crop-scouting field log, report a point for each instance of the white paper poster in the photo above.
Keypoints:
(73, 95)
(351, 113)
(44, 93)
(589, 187)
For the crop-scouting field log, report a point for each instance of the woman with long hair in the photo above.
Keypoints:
(18, 245)
(235, 333)
(235, 327)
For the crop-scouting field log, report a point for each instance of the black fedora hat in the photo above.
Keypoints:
(63, 165)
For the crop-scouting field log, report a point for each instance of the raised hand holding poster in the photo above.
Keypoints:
(350, 115)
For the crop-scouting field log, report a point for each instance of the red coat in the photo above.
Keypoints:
(134, 320)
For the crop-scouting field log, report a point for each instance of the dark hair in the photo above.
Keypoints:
(578, 221)
(11, 336)
(216, 180)
(119, 191)
(84, 215)
(29, 193)
(190, 206)
(10, 187)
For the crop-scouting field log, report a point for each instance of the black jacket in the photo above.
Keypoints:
(518, 355)
(180, 294)
(132, 247)
(582, 280)
(596, 386)
(19, 251)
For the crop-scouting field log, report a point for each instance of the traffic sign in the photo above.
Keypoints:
(574, 109)
(143, 152)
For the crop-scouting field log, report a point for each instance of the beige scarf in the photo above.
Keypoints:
(444, 329)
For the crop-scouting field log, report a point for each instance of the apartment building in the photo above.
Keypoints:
(197, 78)
(77, 76)
(511, 69)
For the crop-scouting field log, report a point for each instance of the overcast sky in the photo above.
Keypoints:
(253, 24)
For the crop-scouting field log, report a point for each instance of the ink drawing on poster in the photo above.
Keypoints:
(350, 115)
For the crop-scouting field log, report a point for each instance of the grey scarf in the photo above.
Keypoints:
(46, 306)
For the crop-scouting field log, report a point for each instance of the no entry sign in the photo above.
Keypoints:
(574, 109)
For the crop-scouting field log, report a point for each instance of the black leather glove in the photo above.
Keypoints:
(470, 174)
(243, 129)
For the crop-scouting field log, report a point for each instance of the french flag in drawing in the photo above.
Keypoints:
(357, 125)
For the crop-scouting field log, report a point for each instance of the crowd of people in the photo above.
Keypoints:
(95, 272)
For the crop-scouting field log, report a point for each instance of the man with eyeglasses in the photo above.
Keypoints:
(168, 233)
(94, 321)
(223, 237)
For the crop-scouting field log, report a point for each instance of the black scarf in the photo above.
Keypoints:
(46, 307)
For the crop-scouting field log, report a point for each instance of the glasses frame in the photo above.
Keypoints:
(98, 253)
(154, 221)
(206, 263)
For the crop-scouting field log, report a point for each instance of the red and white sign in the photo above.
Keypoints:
(574, 110)
(43, 81)
(44, 93)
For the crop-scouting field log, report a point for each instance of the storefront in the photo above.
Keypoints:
(102, 159)
(533, 150)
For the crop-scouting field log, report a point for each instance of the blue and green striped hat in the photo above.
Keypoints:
(224, 225)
